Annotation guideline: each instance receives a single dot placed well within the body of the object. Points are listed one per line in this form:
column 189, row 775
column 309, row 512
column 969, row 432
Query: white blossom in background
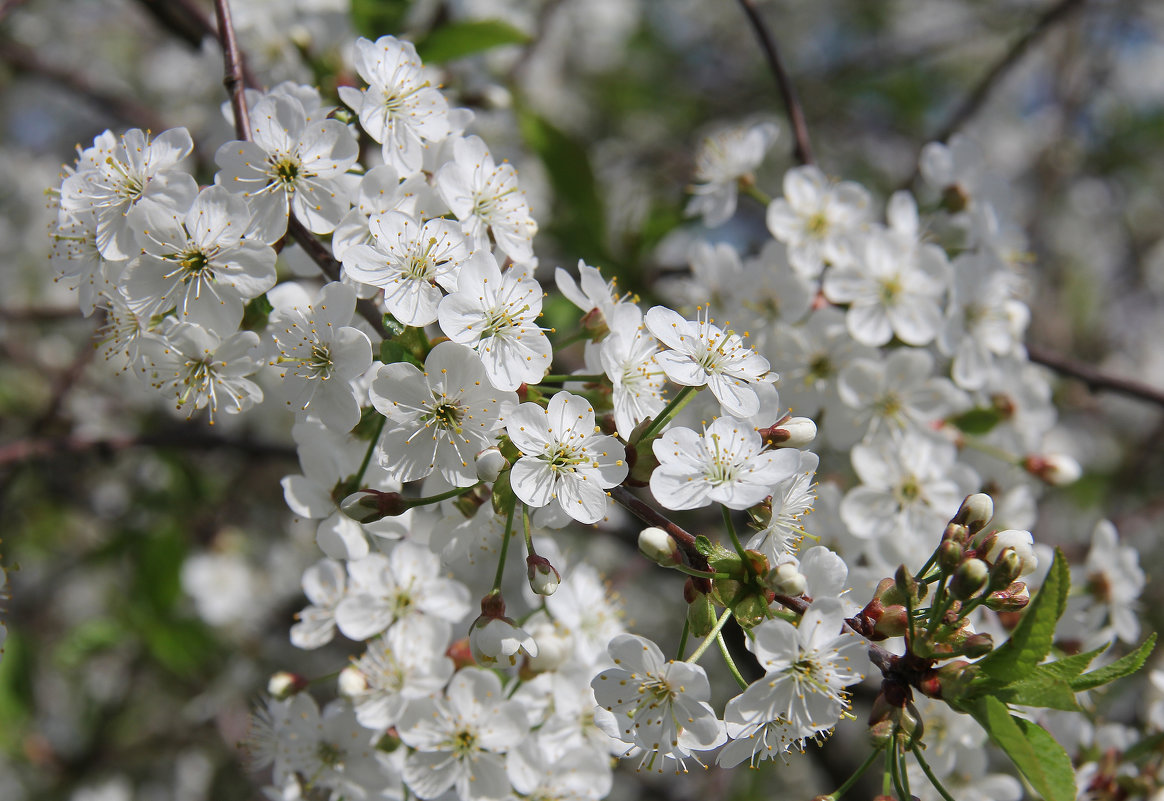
column 412, row 262
column 580, row 775
column 320, row 354
column 201, row 370
column 892, row 289
column 816, row 218
column 324, row 584
column 724, row 157
column 495, row 313
column 458, row 741
column 726, row 464
column 700, row 352
column 566, row 458
column 486, row 198
column 399, row 108
column 656, row 705
column 118, row 177
column 439, row 418
column 897, row 394
column 1112, row 582
column 293, row 165
column 78, row 262
column 397, row 589
column 627, row 357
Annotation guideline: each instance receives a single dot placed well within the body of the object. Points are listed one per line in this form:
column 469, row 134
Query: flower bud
column 969, row 578
column 284, row 684
column 950, row 555
column 496, row 642
column 490, row 462
column 786, row 579
column 894, row 622
column 1005, row 570
column 906, row 584
column 975, row 512
column 555, row 647
column 1013, row 599
column 460, row 653
column 700, row 613
column 543, row 576
column 795, row 432
column 977, row 645
column 1057, row 469
column 950, row 681
column 956, row 532
column 369, row 505
column 471, row 501
column 352, row 682
column 1021, row 542
column 660, row 547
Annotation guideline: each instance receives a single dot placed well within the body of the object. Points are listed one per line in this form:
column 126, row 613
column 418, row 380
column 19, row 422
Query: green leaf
column 579, row 221
column 1040, row 691
column 1143, row 748
column 704, row 545
column 374, row 18
column 256, row 314
column 977, row 421
column 461, row 39
column 392, row 352
column 1124, row 666
column 1035, row 753
column 1031, row 640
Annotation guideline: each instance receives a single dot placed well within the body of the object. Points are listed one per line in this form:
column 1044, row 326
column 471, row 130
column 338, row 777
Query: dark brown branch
column 977, row 97
column 26, row 61
column 194, row 439
column 233, row 70
column 802, row 148
column 653, row 517
column 235, row 81
column 1096, row 380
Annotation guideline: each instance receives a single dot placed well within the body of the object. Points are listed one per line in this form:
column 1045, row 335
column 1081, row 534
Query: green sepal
column 460, row 39
column 977, row 421
column 256, row 314
column 503, row 498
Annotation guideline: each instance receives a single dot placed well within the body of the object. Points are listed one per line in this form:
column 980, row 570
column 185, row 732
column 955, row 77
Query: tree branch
column 802, row 148
column 24, row 60
column 1096, row 380
column 977, row 97
column 25, row 450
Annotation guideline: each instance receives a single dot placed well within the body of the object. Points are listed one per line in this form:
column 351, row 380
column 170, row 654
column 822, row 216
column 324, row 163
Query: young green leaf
column 1124, row 666
column 461, row 39
column 1035, row 753
column 1031, row 640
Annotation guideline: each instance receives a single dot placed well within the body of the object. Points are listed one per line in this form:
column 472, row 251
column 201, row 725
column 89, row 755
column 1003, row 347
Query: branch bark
column 1096, row 380
column 802, row 148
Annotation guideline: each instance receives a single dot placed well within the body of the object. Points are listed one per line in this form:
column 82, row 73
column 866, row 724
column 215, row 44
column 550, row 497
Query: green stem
column 678, row 402
column 727, row 658
column 904, row 774
column 683, row 639
column 849, row 782
column 504, row 547
column 886, row 775
column 895, row 773
column 710, row 638
column 991, row 450
column 751, row 190
column 690, row 571
column 925, row 766
column 562, row 379
column 368, row 453
column 731, row 529
column 529, row 549
column 444, row 496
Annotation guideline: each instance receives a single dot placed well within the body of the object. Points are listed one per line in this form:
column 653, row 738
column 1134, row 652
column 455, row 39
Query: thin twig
column 233, row 70
column 236, row 81
column 652, row 516
column 1096, row 380
column 25, row 450
column 26, row 61
column 802, row 148
column 977, row 97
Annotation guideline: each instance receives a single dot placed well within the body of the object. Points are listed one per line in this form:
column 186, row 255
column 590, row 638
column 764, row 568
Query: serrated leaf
column 1031, row 639
column 579, row 218
column 704, row 545
column 1040, row 691
column 461, row 39
column 977, row 421
column 1124, row 666
column 1063, row 670
column 374, row 18
column 1034, row 752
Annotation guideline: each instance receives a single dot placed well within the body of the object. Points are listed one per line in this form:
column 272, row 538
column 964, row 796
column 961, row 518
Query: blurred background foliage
column 153, row 567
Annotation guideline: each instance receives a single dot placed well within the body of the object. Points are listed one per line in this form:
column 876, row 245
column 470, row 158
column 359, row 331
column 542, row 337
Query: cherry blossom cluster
column 440, row 457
